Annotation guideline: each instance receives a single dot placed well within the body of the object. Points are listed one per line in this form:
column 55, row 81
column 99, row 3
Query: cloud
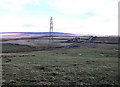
column 81, row 6
column 72, row 6
column 102, row 8
column 15, row 23
column 71, row 16
column 17, row 5
column 94, row 16
column 28, row 25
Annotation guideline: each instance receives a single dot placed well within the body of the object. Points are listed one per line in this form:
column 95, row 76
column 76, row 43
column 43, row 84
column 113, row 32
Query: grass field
column 97, row 65
column 41, row 42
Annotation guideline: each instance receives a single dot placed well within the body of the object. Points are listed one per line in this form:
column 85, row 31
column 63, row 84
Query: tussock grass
column 63, row 67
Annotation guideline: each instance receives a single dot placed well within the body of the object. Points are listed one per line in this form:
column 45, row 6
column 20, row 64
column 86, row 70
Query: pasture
column 88, row 64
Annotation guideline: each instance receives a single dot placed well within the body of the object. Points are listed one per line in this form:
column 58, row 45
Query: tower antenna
column 51, row 33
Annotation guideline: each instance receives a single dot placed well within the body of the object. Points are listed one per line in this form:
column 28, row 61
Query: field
column 87, row 64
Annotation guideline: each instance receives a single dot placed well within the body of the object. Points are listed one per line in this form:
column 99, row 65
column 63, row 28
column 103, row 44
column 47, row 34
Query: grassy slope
column 9, row 47
column 62, row 66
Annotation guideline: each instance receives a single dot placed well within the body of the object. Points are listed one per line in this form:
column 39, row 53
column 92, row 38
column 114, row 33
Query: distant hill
column 10, row 35
column 38, row 33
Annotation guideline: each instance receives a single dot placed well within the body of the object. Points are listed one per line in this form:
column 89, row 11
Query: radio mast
column 51, row 33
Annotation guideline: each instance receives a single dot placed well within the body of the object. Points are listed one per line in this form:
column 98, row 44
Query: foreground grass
column 62, row 67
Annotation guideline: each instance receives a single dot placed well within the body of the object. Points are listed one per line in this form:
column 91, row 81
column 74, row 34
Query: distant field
column 9, row 47
column 88, row 64
column 39, row 42
column 30, row 43
column 112, row 40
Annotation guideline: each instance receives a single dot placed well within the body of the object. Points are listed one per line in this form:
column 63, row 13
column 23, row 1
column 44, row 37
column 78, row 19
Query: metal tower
column 51, row 33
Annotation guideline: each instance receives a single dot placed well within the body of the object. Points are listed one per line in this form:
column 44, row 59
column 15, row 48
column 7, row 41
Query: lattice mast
column 51, row 33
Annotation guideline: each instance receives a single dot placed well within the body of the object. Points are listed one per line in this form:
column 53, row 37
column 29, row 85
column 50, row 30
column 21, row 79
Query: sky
column 96, row 17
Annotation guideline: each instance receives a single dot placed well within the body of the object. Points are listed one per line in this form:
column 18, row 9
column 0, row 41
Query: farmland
column 87, row 64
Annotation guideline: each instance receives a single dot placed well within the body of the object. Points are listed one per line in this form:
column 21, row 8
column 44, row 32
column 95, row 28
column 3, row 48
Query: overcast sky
column 99, row 17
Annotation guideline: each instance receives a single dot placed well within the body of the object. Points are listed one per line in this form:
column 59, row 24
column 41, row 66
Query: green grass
column 10, row 47
column 62, row 66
